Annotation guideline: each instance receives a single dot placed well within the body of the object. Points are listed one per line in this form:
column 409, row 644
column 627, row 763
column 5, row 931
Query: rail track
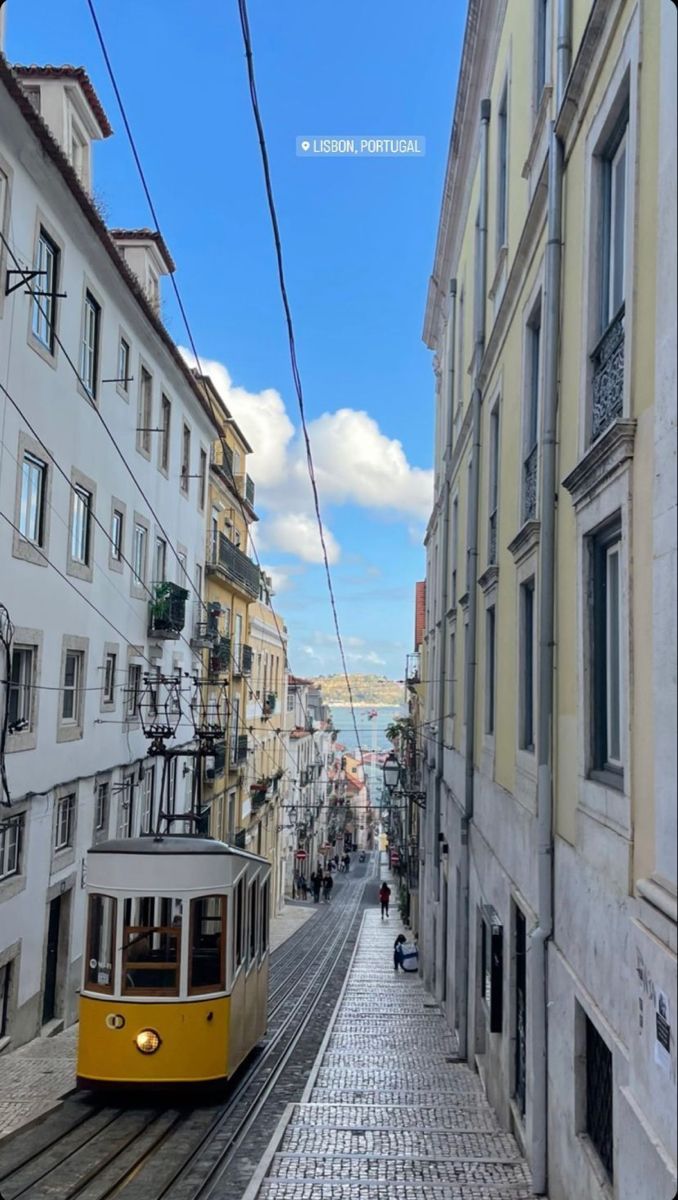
column 86, row 1150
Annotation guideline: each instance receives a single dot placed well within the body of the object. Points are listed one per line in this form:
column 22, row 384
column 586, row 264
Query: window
column 124, row 377
column 5, row 992
column 237, row 641
column 185, row 458
column 126, row 809
column 461, row 365
column 202, row 480
column 101, row 807
column 542, row 49
column 89, row 350
column 151, row 946
column 492, row 966
column 11, row 837
column 614, row 224
column 606, row 704
column 32, row 499
column 252, row 924
column 452, row 677
column 147, row 789
column 235, row 725
column 160, row 560
column 490, row 668
column 527, row 664
column 139, row 553
column 81, row 513
column 599, row 1115
column 71, row 697
column 65, row 822
column 165, row 425
column 198, row 581
column 20, row 698
column 116, row 534
column 100, row 944
column 493, row 486
column 454, row 552
column 45, row 284
column 502, row 168
column 109, row 678
column 145, row 412
column 207, row 970
column 263, row 917
column 239, row 940
column 133, row 690
column 531, row 435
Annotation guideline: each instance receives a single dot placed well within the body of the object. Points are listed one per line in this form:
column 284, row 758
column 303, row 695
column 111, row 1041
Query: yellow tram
column 175, row 976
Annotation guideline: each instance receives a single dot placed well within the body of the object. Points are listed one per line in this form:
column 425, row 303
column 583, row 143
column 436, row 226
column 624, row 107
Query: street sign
column 395, row 858
column 300, row 854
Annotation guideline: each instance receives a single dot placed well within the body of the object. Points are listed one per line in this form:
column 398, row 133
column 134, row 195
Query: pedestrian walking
column 398, row 953
column 384, row 898
column 304, row 887
column 328, row 884
column 316, row 884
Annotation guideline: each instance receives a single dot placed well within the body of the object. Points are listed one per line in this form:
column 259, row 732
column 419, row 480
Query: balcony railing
column 223, row 556
column 205, row 624
column 238, row 748
column 221, row 461
column 607, row 360
column 412, row 668
column 220, row 656
column 530, row 484
column 167, row 610
column 242, row 660
column 216, row 763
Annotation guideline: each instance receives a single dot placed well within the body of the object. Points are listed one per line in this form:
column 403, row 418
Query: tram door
column 51, row 960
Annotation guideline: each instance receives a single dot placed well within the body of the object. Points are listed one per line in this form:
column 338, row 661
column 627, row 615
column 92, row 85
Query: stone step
column 400, row 1143
column 478, row 1118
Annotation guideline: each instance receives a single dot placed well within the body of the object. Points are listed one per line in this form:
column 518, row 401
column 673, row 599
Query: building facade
column 103, row 488
column 548, row 881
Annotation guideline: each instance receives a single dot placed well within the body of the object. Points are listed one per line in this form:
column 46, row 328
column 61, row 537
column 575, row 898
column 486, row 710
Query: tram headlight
column 147, row 1041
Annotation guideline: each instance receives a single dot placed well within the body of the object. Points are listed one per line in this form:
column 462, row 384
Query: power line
column 244, row 23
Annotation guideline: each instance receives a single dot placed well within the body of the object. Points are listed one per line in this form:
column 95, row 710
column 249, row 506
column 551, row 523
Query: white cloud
column 297, row 533
column 355, row 463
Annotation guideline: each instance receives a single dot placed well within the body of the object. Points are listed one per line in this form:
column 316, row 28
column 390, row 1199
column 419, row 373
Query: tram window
column 151, row 945
column 239, row 940
column 100, row 944
column 252, row 923
column 208, row 925
column 263, row 914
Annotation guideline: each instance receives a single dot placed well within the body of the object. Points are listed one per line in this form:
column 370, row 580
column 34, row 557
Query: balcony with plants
column 167, row 610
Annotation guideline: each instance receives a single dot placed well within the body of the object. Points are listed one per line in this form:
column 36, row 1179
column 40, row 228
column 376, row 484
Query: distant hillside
column 366, row 689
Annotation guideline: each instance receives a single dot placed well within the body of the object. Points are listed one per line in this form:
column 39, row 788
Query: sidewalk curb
column 33, row 1121
column 262, row 1167
column 315, row 1069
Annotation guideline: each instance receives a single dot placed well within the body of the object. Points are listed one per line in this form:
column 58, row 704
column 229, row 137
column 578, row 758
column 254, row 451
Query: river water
column 372, row 735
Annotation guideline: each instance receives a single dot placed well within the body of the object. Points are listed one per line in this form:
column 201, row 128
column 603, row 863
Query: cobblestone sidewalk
column 390, row 1114
column 37, row 1076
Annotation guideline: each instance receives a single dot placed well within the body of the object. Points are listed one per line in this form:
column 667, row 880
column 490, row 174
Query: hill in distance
column 367, row 690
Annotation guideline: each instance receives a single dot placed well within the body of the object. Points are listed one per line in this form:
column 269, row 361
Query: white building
column 309, row 736
column 103, row 465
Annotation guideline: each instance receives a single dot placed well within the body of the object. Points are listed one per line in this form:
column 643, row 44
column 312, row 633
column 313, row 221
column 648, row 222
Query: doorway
column 51, row 960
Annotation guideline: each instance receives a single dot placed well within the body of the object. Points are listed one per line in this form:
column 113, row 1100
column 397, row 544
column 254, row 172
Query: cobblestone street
column 388, row 1113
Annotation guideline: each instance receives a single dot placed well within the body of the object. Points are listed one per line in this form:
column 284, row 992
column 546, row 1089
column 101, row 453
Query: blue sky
column 358, row 238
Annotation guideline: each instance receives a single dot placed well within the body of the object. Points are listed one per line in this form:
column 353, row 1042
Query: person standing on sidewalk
column 328, row 884
column 398, row 953
column 316, row 883
column 384, row 898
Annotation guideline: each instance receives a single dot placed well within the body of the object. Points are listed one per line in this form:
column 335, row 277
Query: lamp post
column 394, row 777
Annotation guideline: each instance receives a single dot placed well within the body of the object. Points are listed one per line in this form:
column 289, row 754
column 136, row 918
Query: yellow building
column 268, row 766
column 548, row 891
column 232, row 584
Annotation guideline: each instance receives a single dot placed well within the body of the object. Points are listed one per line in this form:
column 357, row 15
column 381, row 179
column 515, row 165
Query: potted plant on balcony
column 167, row 609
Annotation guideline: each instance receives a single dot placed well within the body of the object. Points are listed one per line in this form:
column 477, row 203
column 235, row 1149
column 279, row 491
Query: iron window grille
column 599, row 1078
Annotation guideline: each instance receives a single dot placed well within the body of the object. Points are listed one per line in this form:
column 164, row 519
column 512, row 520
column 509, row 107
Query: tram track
column 175, row 1152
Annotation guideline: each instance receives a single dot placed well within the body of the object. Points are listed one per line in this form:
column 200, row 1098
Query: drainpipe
column 442, row 657
column 472, row 551
column 547, row 507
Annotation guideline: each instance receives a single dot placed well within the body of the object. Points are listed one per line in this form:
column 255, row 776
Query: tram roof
column 164, row 844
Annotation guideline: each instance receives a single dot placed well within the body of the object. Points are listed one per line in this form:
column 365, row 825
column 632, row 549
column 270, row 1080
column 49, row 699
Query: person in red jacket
column 384, row 897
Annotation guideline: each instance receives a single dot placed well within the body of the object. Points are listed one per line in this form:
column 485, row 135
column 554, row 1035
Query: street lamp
column 392, row 773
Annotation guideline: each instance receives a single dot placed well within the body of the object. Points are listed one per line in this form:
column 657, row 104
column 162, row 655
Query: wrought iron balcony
column 259, row 792
column 530, row 484
column 242, row 660
column 238, row 749
column 221, row 461
column 218, row 763
column 206, row 625
column 167, row 610
column 269, row 704
column 607, row 360
column 412, row 668
column 229, row 561
column 220, row 656
column 241, row 839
